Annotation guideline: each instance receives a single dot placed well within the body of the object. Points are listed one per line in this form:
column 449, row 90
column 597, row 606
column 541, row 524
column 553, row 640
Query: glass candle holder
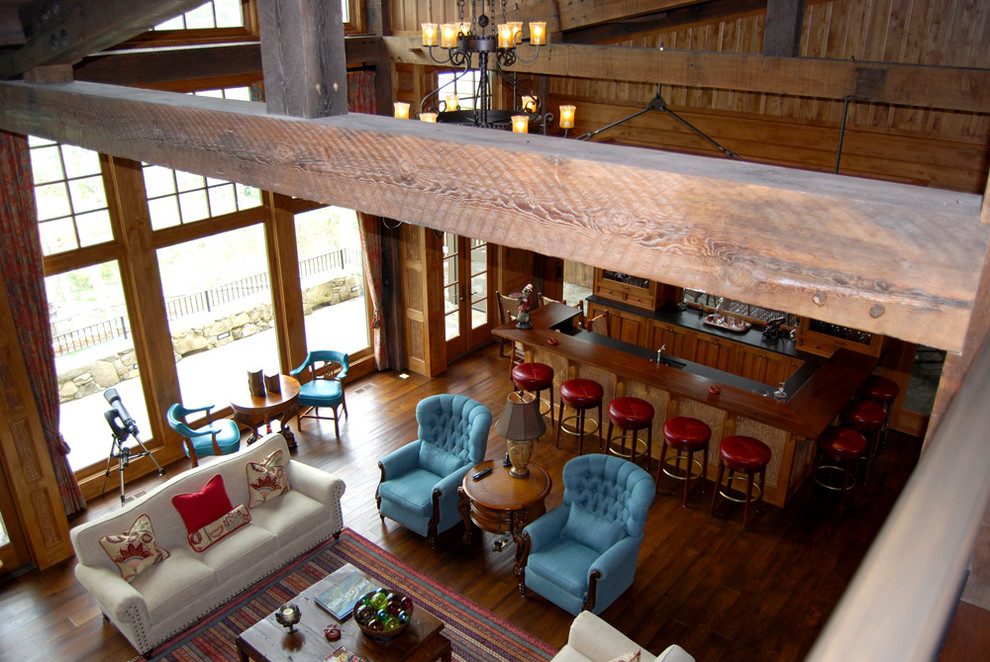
column 429, row 34
column 428, row 117
column 448, row 35
column 520, row 123
column 567, row 113
column 401, row 109
column 505, row 36
column 452, row 101
column 529, row 104
column 538, row 33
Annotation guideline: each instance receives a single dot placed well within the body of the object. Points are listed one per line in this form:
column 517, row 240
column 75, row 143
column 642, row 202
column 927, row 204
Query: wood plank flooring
column 702, row 582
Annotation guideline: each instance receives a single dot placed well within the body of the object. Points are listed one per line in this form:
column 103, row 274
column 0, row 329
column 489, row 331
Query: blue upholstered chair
column 324, row 389
column 419, row 481
column 583, row 553
column 215, row 438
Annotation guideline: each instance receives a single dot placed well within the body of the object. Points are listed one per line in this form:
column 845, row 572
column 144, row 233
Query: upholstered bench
column 154, row 567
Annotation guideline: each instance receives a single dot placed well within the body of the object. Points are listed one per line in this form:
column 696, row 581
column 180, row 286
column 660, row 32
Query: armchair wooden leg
column 523, row 546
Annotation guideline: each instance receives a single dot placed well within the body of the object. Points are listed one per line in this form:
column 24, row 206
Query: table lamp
column 520, row 423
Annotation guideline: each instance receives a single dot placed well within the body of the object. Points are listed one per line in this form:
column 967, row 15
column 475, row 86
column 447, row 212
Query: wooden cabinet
column 765, row 366
column 679, row 341
column 823, row 338
column 626, row 326
column 637, row 292
column 716, row 353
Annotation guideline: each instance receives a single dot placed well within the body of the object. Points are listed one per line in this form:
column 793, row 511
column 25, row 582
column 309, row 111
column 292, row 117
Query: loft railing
column 902, row 598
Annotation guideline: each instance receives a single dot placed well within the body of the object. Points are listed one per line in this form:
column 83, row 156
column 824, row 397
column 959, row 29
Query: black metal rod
column 842, row 134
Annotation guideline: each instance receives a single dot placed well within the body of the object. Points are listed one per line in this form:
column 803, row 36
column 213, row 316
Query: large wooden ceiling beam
column 582, row 13
column 65, row 32
column 949, row 88
column 886, row 258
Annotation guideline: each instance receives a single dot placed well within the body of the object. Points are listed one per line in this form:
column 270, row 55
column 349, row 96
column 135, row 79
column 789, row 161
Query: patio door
column 467, row 278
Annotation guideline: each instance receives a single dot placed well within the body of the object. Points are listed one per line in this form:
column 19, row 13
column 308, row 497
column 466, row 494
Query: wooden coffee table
column 253, row 411
column 500, row 502
column 267, row 641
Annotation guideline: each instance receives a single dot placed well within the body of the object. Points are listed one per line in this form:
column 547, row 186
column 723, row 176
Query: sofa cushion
column 135, row 550
column 215, row 531
column 267, row 479
column 627, row 657
column 290, row 517
column 594, row 531
column 439, row 461
column 183, row 579
column 251, row 547
column 204, row 507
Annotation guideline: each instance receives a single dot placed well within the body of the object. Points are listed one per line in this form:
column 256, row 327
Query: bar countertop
column 820, row 389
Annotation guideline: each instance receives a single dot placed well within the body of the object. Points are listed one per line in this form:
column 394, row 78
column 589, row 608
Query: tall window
column 462, row 83
column 68, row 190
column 94, row 351
column 332, row 275
column 214, row 14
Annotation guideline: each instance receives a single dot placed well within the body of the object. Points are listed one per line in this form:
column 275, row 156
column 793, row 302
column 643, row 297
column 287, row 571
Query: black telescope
column 125, row 422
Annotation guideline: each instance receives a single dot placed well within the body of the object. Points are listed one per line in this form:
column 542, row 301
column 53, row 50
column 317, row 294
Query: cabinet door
column 679, row 341
column 628, row 327
column 716, row 353
column 758, row 366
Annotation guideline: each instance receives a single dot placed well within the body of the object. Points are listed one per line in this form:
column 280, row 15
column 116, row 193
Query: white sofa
column 169, row 596
column 591, row 639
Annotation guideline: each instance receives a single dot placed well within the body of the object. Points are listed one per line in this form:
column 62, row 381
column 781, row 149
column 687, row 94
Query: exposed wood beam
column 65, row 32
column 303, row 58
column 950, row 88
column 886, row 258
column 782, row 33
column 664, row 20
column 11, row 32
column 582, row 13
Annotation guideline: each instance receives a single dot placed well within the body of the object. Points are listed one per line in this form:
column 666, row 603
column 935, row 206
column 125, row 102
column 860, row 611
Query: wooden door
column 468, row 295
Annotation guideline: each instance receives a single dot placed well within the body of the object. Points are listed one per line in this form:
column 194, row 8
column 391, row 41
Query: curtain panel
column 24, row 277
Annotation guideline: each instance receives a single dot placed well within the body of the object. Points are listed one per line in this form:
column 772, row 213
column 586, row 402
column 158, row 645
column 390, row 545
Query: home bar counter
column 816, row 392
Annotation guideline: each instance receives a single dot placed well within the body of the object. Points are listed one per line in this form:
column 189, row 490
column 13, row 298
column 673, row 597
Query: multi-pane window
column 215, row 14
column 176, row 197
column 71, row 202
column 462, row 83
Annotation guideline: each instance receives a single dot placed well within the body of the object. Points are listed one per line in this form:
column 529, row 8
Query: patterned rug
column 475, row 634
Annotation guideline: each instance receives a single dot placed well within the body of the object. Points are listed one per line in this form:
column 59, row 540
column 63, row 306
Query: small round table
column 253, row 411
column 500, row 502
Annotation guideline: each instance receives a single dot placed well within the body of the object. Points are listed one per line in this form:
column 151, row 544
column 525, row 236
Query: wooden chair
column 601, row 323
column 508, row 311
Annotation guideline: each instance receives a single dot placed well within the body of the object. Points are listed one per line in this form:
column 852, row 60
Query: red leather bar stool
column 843, row 447
column 686, row 436
column 536, row 377
column 630, row 415
column 869, row 418
column 745, row 455
column 882, row 391
column 580, row 395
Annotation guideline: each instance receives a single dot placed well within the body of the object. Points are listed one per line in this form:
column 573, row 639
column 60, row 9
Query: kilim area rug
column 476, row 634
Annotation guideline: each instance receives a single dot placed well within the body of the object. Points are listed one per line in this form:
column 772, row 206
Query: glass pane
column 188, row 181
column 218, row 297
column 94, row 228
column 46, row 165
column 331, row 271
column 177, row 23
column 479, row 300
column 52, row 201
column 248, row 197
column 93, row 352
column 57, row 236
column 87, row 194
column 164, row 213
column 80, row 162
column 223, row 200
column 200, row 18
column 237, row 93
column 158, row 181
column 228, row 13
column 452, row 318
column 193, row 206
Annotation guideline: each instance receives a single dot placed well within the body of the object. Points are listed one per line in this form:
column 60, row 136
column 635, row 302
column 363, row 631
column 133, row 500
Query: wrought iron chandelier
column 492, row 43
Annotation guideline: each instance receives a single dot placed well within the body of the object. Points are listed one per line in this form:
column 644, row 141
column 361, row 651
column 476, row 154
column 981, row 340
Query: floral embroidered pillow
column 203, row 538
column 135, row 551
column 266, row 480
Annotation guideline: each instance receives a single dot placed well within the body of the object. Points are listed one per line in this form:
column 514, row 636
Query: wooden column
column 283, row 269
column 303, row 58
column 422, row 289
column 782, row 34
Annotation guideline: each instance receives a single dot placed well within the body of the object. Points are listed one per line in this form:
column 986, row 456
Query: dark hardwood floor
column 702, row 582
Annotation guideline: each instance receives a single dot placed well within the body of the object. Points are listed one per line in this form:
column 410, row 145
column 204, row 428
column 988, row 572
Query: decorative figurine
column 524, row 305
column 288, row 615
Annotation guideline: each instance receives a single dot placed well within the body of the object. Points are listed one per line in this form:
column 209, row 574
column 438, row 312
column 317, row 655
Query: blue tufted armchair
column 583, row 553
column 419, row 481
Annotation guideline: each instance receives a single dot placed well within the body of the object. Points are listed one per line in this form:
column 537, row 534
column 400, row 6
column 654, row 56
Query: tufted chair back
column 610, row 487
column 454, row 431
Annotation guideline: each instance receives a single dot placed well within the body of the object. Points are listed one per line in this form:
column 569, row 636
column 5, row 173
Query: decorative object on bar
column 525, row 304
column 273, row 383
column 288, row 615
column 470, row 45
column 520, row 424
column 256, row 383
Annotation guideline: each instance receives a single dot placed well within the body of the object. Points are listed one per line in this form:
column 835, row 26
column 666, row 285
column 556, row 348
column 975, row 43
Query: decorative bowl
column 382, row 614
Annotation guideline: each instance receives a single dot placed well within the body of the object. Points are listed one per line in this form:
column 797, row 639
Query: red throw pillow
column 205, row 507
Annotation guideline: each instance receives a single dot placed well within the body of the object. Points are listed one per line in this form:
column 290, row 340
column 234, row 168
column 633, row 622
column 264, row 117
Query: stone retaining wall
column 107, row 371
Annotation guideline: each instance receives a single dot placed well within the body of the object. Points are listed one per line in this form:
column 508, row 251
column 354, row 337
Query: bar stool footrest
column 757, row 492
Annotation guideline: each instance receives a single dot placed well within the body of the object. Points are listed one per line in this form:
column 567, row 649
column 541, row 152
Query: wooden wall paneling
column 26, row 463
column 422, row 269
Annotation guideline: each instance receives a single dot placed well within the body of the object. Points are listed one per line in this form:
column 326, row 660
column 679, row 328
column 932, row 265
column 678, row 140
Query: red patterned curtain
column 361, row 92
column 24, row 278
column 371, row 245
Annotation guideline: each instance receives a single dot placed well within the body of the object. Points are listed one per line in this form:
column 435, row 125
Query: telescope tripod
column 120, row 433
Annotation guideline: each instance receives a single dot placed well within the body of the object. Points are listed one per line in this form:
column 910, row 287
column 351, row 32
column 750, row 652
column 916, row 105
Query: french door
column 467, row 293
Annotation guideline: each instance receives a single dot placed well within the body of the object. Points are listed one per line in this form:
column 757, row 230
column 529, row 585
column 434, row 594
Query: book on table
column 345, row 586
column 344, row 655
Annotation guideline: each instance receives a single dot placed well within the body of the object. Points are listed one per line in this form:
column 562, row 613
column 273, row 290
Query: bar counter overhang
column 789, row 426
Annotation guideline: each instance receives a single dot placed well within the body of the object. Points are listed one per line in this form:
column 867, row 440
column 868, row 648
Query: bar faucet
column 660, row 359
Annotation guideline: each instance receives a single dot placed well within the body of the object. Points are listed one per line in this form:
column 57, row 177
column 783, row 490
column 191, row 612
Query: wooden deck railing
column 901, row 601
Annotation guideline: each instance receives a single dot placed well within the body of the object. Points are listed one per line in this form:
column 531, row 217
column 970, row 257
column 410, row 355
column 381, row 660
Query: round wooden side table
column 254, row 411
column 500, row 502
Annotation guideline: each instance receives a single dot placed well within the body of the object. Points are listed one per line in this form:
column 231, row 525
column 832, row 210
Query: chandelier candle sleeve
column 506, row 36
column 538, row 33
column 401, row 110
column 529, row 104
column 520, row 123
column 516, row 32
column 453, row 102
column 567, row 116
column 428, row 117
column 429, row 34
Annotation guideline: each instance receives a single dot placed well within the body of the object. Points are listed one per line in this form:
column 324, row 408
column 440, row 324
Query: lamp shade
column 521, row 419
